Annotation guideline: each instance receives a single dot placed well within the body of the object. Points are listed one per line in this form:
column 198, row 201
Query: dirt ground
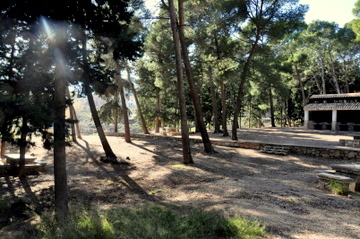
column 280, row 191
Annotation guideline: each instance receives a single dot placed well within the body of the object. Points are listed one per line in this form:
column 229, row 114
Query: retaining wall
column 331, row 153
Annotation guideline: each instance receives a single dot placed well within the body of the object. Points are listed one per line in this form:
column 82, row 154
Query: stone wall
column 350, row 143
column 331, row 153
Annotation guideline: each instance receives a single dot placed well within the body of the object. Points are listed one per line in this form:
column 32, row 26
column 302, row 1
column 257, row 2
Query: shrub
column 339, row 188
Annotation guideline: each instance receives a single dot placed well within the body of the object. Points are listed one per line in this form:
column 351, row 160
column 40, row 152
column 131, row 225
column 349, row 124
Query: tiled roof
column 333, row 106
column 332, row 96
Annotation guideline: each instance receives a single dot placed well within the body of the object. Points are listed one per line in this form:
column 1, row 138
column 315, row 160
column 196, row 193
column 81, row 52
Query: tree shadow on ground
column 285, row 186
column 117, row 170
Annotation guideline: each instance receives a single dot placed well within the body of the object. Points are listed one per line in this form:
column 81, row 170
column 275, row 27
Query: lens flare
column 46, row 27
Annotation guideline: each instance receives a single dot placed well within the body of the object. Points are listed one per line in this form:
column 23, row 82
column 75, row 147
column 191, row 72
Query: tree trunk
column 323, row 83
column 77, row 127
column 10, row 73
column 347, row 87
column 3, row 132
column 3, row 148
column 318, row 85
column 243, row 77
column 22, row 145
column 336, row 81
column 224, row 109
column 106, row 146
column 214, row 102
column 60, row 174
column 286, row 109
column 116, row 120
column 334, row 77
column 187, row 158
column 189, row 75
column 250, row 112
column 223, row 95
column 72, row 117
column 157, row 118
column 138, row 106
column 272, row 115
column 282, row 123
column 123, row 103
column 297, row 73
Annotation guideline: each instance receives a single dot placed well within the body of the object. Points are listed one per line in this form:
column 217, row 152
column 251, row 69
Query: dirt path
column 280, row 191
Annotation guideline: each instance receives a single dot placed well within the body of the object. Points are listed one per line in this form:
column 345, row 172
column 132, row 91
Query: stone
column 351, row 155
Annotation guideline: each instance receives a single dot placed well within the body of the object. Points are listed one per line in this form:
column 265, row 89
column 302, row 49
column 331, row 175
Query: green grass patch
column 149, row 222
column 339, row 188
column 155, row 191
column 178, row 165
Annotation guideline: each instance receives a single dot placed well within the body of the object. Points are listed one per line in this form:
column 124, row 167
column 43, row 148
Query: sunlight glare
column 47, row 27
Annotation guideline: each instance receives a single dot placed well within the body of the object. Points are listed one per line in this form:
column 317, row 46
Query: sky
column 339, row 11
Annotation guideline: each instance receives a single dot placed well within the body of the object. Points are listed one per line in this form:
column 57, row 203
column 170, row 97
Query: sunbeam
column 46, row 27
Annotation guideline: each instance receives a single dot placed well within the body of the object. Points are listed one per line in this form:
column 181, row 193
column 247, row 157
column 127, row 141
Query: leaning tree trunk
column 123, row 103
column 77, row 127
column 189, row 75
column 138, row 106
column 187, row 158
column 106, row 146
column 243, row 77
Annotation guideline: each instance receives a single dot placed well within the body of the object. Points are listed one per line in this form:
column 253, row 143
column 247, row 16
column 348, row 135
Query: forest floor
column 280, row 191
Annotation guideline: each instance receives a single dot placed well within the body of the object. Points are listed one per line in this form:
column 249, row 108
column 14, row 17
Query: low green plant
column 83, row 223
column 149, row 222
column 247, row 229
column 155, row 191
column 339, row 188
column 178, row 165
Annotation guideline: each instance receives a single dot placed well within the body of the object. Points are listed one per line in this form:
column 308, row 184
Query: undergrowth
column 146, row 222
column 339, row 188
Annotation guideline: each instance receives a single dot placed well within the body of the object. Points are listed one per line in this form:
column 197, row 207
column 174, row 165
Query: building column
column 306, row 119
column 334, row 120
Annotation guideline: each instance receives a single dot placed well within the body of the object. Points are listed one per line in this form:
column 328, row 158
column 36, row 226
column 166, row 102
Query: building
column 333, row 112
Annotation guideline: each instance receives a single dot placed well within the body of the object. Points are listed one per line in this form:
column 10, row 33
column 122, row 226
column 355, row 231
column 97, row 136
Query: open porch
column 337, row 112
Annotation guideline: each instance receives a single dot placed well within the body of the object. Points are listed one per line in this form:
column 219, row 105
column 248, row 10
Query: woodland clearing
column 280, row 191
